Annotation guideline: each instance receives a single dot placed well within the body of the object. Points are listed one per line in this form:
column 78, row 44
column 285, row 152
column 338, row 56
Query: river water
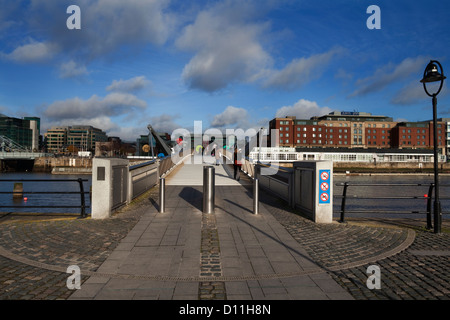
column 401, row 185
column 25, row 205
column 372, row 205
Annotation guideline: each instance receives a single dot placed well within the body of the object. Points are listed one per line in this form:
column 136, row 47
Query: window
column 304, row 128
column 287, row 135
column 304, row 135
column 281, row 135
column 298, row 135
column 368, row 131
column 281, row 128
column 287, row 140
column 281, row 141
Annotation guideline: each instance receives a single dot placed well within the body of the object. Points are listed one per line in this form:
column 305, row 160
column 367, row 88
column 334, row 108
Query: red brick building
column 355, row 130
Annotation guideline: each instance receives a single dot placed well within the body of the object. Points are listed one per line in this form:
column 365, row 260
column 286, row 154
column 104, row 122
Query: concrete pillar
column 103, row 186
column 313, row 189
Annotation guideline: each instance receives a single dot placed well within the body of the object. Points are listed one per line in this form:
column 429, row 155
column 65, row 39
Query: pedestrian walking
column 237, row 163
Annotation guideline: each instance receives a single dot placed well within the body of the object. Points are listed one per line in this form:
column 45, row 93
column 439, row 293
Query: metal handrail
column 428, row 197
column 82, row 193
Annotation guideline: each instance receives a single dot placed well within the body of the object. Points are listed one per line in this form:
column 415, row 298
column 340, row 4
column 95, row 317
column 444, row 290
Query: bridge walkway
column 182, row 253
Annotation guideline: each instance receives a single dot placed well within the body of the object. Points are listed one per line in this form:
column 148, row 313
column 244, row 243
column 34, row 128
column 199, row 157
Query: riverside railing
column 427, row 209
column 82, row 194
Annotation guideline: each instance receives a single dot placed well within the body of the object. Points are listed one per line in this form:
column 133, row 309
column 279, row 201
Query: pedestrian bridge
column 16, row 155
column 191, row 174
column 115, row 183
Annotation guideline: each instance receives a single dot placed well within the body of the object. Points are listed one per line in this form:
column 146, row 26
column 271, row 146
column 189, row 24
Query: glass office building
column 24, row 132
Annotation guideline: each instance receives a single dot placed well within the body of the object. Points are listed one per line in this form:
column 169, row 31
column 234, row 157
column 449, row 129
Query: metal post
column 344, row 197
column 83, row 202
column 208, row 189
column 429, row 199
column 437, row 204
column 162, row 195
column 255, row 196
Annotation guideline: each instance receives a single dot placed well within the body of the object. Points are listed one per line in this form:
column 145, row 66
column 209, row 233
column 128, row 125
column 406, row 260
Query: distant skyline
column 229, row 63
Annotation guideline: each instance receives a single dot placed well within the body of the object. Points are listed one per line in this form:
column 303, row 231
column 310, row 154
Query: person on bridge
column 237, row 163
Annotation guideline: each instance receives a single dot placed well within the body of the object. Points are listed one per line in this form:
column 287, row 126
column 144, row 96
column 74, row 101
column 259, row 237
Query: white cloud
column 72, row 70
column 303, row 109
column 231, row 117
column 389, row 74
column 227, row 47
column 114, row 104
column 106, row 25
column 164, row 123
column 130, row 85
column 32, row 52
column 300, row 71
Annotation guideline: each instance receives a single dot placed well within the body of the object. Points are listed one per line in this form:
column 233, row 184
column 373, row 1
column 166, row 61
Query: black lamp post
column 431, row 74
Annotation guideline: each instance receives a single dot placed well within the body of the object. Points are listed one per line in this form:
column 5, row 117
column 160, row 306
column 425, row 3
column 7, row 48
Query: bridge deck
column 190, row 174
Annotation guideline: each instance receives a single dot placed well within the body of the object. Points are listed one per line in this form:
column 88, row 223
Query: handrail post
column 429, row 199
column 255, row 196
column 344, row 197
column 83, row 202
column 162, row 195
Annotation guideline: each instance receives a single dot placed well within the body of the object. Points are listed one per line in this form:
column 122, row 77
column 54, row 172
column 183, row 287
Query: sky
column 228, row 63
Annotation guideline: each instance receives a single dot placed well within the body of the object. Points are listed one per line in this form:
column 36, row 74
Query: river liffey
column 412, row 196
column 29, row 200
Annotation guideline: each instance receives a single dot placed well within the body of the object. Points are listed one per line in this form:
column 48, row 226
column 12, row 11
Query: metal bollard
column 255, row 196
column 162, row 195
column 208, row 189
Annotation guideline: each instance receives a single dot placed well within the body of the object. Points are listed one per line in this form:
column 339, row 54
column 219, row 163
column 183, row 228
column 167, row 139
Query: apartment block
column 73, row 138
column 357, row 130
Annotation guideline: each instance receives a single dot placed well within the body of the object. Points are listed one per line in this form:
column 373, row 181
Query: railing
column 82, row 194
column 428, row 196
column 143, row 177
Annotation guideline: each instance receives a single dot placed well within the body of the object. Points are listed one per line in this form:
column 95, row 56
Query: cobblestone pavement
column 419, row 272
column 60, row 242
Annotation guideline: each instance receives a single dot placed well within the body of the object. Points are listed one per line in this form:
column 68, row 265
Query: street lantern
column 432, row 74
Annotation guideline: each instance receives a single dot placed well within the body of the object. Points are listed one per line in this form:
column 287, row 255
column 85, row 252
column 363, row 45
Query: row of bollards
column 208, row 192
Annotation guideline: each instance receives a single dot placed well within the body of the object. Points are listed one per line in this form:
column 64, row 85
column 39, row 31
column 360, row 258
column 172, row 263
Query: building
column 84, row 138
column 71, row 139
column 356, row 130
column 415, row 135
column 56, row 139
column 446, row 123
column 23, row 132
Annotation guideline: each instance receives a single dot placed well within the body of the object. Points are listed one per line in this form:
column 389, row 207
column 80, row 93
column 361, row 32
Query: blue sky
column 228, row 63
